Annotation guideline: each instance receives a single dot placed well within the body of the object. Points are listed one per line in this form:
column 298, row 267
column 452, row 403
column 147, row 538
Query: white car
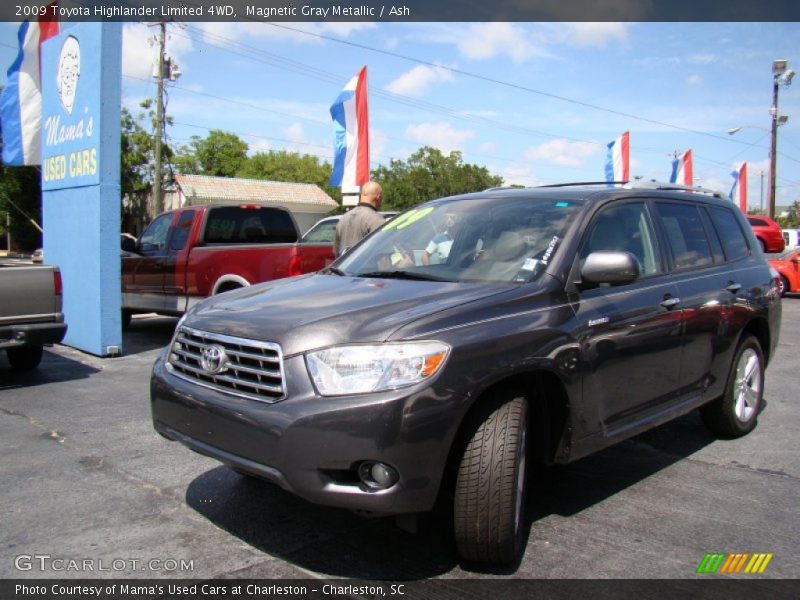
column 792, row 238
column 324, row 230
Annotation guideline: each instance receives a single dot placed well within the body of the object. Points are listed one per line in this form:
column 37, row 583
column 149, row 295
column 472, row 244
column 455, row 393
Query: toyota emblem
column 213, row 359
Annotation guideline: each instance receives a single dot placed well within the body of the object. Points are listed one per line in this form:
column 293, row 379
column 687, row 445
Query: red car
column 788, row 265
column 768, row 232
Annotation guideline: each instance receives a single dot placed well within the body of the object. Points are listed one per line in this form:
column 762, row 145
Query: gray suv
column 471, row 337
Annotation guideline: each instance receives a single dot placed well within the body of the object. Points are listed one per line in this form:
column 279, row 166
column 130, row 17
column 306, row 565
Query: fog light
column 376, row 475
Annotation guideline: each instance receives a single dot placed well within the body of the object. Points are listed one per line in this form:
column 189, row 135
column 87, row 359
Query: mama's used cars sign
column 70, row 117
column 81, row 71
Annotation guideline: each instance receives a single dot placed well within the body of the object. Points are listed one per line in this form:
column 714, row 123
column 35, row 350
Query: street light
column 781, row 121
column 781, row 76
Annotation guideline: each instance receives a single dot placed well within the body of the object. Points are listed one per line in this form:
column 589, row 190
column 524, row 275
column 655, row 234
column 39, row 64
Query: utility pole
column 8, row 231
column 773, row 149
column 158, row 199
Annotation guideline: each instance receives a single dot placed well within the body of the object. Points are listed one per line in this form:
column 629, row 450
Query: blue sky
column 674, row 86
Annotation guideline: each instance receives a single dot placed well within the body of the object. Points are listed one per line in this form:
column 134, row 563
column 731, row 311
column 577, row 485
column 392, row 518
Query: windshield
column 510, row 240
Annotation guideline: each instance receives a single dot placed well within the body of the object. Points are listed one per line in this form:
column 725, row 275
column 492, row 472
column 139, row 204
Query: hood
column 314, row 311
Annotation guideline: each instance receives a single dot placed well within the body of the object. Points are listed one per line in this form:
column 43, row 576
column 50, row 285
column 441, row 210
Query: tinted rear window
column 686, row 235
column 730, row 233
column 237, row 225
column 757, row 222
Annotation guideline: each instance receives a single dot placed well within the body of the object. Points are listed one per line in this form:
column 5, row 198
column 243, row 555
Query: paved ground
column 85, row 477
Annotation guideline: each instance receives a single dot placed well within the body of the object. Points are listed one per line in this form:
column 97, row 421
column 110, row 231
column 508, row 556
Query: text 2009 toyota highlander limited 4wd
column 472, row 336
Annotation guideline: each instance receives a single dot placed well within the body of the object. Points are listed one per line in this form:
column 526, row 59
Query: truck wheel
column 126, row 319
column 489, row 501
column 735, row 413
column 24, row 358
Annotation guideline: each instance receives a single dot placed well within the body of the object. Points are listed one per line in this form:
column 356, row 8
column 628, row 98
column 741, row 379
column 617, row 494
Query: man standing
column 362, row 220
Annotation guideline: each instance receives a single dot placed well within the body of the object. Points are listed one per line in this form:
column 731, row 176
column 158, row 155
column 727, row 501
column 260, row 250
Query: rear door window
column 686, row 236
column 733, row 239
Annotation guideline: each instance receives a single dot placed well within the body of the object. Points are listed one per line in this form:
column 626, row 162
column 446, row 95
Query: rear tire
column 763, row 245
column 735, row 413
column 784, row 289
column 489, row 500
column 24, row 358
column 126, row 319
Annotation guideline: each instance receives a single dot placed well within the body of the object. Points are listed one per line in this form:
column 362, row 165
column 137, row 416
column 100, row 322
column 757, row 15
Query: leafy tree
column 430, row 174
column 792, row 220
column 281, row 165
column 21, row 192
column 137, row 151
column 220, row 154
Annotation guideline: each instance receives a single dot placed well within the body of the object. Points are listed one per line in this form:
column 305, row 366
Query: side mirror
column 128, row 245
column 610, row 267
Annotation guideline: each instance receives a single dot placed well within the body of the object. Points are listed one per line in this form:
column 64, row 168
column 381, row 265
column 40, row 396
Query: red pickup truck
column 197, row 251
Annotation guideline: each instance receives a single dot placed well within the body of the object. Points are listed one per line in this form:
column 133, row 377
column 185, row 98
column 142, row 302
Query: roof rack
column 581, row 183
column 660, row 185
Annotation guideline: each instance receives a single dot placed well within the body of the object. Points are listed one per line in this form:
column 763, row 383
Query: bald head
column 371, row 193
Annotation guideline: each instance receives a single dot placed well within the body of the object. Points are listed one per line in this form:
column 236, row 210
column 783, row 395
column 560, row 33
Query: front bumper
column 311, row 445
column 33, row 334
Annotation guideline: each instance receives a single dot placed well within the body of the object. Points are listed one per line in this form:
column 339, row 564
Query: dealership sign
column 70, row 117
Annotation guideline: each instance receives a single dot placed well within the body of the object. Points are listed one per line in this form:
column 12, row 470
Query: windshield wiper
column 335, row 271
column 397, row 274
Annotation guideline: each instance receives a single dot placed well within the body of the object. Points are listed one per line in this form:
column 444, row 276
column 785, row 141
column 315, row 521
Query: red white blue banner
column 21, row 101
column 351, row 134
column 618, row 163
column 682, row 169
column 738, row 192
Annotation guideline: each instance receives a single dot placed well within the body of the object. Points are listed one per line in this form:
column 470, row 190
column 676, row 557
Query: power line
column 503, row 83
column 318, row 74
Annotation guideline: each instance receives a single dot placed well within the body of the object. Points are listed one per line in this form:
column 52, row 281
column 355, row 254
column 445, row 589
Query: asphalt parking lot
column 85, row 477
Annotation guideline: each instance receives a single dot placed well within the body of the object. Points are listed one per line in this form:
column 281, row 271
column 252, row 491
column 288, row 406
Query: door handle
column 733, row 287
column 670, row 302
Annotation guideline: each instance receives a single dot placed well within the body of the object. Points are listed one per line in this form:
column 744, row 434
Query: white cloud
column 701, row 59
column 258, row 145
column 417, row 81
column 140, row 49
column 562, row 152
column 486, row 40
column 489, row 146
column 591, row 34
column 439, row 135
column 694, row 79
column 519, row 175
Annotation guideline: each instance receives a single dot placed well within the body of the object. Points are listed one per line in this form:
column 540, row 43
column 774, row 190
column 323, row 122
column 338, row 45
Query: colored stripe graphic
column 711, row 563
column 733, row 564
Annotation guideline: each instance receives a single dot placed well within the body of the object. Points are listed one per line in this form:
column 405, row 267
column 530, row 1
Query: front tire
column 24, row 358
column 489, row 501
column 735, row 413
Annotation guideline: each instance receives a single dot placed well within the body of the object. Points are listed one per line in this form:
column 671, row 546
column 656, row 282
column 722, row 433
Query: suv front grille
column 237, row 366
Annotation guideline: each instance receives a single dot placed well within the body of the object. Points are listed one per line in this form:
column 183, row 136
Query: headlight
column 374, row 368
